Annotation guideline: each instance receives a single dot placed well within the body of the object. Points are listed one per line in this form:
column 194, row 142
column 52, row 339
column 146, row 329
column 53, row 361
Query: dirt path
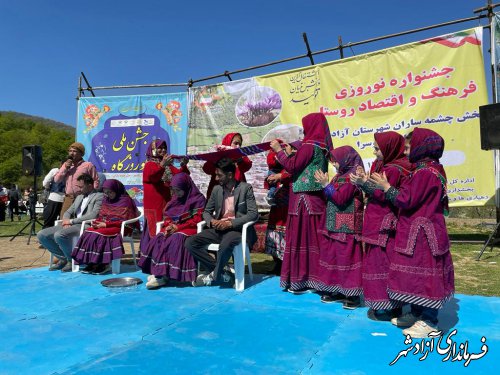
column 18, row 255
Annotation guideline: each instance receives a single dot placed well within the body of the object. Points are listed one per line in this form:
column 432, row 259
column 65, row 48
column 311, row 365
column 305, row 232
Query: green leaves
column 18, row 130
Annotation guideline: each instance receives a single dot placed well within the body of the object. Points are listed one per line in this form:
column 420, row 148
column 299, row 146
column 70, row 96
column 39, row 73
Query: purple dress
column 306, row 214
column 306, row 209
column 341, row 258
column 421, row 271
column 342, row 253
column 379, row 226
column 165, row 254
column 103, row 245
column 379, row 230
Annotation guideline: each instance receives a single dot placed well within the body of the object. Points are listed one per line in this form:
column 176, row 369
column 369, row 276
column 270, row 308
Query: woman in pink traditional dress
column 156, row 176
column 102, row 243
column 166, row 258
column 243, row 164
column 421, row 270
column 341, row 258
column 379, row 225
column 306, row 209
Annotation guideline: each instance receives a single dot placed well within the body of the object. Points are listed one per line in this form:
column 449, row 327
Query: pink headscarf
column 316, row 131
column 425, row 144
column 392, row 146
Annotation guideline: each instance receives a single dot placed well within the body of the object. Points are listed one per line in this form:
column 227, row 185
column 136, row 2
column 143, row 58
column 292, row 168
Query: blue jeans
column 59, row 240
column 272, row 192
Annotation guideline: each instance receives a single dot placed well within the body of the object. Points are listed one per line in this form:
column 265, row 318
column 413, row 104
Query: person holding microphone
column 69, row 172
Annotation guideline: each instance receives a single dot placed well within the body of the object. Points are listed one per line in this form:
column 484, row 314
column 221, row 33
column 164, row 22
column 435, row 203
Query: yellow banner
column 437, row 83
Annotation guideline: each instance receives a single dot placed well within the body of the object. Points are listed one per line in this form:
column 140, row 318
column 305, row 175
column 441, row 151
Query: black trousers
column 50, row 213
column 3, row 207
column 14, row 209
column 227, row 240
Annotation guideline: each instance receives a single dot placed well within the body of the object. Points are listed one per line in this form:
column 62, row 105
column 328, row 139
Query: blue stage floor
column 54, row 323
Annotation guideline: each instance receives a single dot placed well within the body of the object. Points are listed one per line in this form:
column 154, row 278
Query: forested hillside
column 18, row 130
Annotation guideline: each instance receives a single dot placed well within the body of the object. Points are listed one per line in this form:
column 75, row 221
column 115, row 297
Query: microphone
column 70, row 157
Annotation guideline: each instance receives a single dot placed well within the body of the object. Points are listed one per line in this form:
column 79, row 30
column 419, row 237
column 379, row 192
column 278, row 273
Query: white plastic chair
column 158, row 226
column 116, row 263
column 241, row 253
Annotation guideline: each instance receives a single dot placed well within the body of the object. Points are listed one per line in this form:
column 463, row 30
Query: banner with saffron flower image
column 437, row 83
column 258, row 106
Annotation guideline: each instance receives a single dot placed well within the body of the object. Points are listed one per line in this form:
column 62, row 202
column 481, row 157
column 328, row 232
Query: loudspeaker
column 489, row 121
column 32, row 160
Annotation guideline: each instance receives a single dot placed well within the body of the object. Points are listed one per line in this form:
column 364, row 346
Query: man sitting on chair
column 59, row 239
column 230, row 205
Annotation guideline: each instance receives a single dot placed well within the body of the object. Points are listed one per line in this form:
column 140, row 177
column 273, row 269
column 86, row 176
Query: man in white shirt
column 55, row 200
column 59, row 239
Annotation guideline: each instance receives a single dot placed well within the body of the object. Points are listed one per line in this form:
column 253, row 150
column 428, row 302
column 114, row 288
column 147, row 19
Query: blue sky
column 45, row 44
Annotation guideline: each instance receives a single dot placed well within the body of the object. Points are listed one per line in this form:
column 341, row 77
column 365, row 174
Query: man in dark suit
column 231, row 205
column 59, row 239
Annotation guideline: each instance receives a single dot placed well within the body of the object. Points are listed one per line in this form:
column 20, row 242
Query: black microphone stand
column 33, row 218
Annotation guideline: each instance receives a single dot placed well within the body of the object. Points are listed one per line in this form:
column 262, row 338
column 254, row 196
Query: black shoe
column 228, row 277
column 351, row 303
column 67, row 267
column 90, row 268
column 331, row 298
column 59, row 265
column 379, row 315
column 396, row 312
column 229, row 269
column 101, row 269
column 301, row 291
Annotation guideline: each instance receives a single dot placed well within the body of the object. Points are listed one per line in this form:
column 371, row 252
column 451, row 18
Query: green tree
column 19, row 130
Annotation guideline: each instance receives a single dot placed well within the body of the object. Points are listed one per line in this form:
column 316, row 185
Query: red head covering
column 316, row 131
column 425, row 144
column 272, row 162
column 392, row 146
column 182, row 207
column 228, row 138
column 348, row 159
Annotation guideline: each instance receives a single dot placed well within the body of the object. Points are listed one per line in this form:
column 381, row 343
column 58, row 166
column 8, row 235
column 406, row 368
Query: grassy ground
column 471, row 276
column 10, row 228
